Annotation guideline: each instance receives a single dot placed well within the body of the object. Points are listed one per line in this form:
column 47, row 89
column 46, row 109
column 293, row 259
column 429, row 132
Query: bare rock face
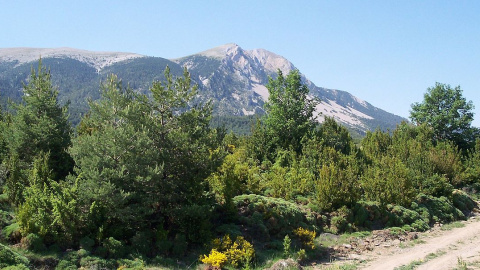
column 249, row 70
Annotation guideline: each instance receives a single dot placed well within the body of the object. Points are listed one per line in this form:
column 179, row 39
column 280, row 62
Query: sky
column 385, row 52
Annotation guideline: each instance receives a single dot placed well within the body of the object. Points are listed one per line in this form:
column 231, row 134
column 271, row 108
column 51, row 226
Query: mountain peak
column 222, row 51
column 271, row 61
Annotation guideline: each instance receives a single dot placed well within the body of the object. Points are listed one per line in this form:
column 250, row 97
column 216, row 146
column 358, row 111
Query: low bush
column 33, row 242
column 436, row 209
column 12, row 233
column 66, row 265
column 8, row 257
column 399, row 216
column 462, row 201
column 225, row 251
column 270, row 217
column 306, row 237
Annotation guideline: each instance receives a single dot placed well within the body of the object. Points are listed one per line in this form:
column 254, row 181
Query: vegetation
column 147, row 180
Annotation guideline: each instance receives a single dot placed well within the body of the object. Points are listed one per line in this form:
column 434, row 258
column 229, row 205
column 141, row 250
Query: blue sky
column 385, row 52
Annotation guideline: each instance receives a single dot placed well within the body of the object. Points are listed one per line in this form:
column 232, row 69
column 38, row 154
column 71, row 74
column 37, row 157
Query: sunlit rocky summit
column 233, row 78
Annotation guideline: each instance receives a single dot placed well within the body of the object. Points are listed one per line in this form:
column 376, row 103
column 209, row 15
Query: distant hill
column 233, row 78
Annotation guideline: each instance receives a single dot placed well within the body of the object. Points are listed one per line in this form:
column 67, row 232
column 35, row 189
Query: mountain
column 233, row 78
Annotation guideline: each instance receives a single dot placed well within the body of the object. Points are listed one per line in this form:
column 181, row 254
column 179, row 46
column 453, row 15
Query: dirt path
column 436, row 250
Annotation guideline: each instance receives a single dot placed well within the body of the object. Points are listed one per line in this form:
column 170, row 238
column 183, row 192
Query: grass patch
column 329, row 240
column 453, row 225
column 414, row 264
column 461, row 264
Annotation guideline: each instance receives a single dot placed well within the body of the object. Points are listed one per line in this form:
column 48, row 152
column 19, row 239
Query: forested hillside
column 144, row 180
column 231, row 78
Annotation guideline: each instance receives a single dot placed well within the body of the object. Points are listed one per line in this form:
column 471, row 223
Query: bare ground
column 435, row 249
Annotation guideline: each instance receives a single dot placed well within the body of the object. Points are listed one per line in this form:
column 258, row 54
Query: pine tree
column 40, row 125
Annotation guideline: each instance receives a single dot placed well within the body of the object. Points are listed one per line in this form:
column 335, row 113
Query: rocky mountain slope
column 233, row 78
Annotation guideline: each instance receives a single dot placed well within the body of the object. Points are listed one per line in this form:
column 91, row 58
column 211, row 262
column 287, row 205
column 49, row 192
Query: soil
column 434, row 249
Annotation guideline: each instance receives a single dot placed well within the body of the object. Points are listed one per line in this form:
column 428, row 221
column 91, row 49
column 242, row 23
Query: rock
column 356, row 257
column 347, row 246
column 285, row 264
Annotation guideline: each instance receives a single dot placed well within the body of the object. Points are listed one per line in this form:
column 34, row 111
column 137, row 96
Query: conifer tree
column 40, row 125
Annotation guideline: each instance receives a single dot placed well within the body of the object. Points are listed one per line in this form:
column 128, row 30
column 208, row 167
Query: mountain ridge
column 233, row 78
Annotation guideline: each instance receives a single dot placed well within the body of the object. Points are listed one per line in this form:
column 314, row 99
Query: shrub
column 215, row 258
column 438, row 209
column 340, row 221
column 66, row 265
column 33, row 242
column 87, row 243
column 96, row 263
column 435, row 185
column 462, row 201
column 16, row 267
column 180, row 245
column 241, row 253
column 142, row 242
column 12, row 233
column 131, row 264
column 114, row 248
column 287, row 242
column 306, row 237
column 301, row 255
column 237, row 253
column 270, row 217
column 8, row 257
column 367, row 213
column 193, row 221
column 401, row 216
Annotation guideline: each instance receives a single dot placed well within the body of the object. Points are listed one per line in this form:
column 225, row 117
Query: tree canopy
column 448, row 113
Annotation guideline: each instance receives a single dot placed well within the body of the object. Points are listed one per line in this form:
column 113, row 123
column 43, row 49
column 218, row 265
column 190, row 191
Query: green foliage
column 287, row 242
column 388, row 181
column 337, row 184
column 462, row 201
column 87, row 243
column 114, row 248
column 141, row 162
column 225, row 251
column 12, row 232
column 235, row 176
column 336, row 136
column 400, row 216
column 269, row 217
column 8, row 257
column 40, row 125
column 447, row 112
column 91, row 262
column 50, row 208
column 66, row 265
column 435, row 209
column 193, row 221
column 289, row 114
column 306, row 237
column 33, row 242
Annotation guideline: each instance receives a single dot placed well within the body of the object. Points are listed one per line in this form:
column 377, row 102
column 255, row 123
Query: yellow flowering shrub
column 306, row 237
column 225, row 251
column 215, row 258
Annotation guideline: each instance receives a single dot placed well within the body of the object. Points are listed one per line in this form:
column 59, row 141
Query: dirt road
column 436, row 250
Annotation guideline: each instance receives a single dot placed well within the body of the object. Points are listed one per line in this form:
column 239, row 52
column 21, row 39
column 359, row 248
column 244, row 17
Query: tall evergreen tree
column 140, row 162
column 40, row 125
